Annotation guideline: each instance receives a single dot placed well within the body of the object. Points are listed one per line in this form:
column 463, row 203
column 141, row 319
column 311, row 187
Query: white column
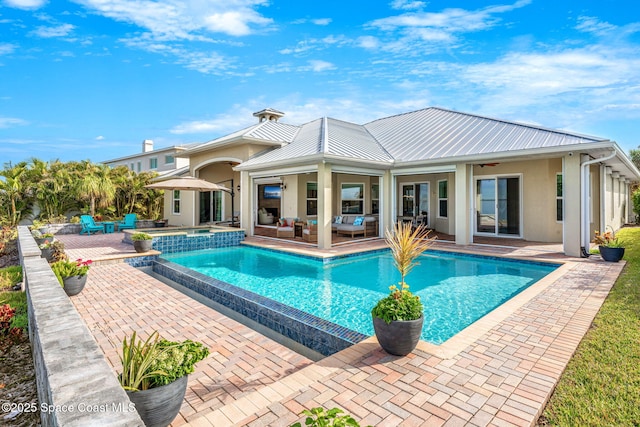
column 571, row 210
column 324, row 205
column 464, row 204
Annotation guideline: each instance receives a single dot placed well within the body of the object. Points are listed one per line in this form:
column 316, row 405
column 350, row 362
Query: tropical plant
column 607, row 239
column 156, row 361
column 635, row 200
column 95, row 185
column 58, row 249
column 65, row 268
column 319, row 417
column 406, row 243
column 141, row 236
column 14, row 195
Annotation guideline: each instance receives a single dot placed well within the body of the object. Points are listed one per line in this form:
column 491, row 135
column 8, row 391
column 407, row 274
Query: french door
column 415, row 199
column 498, row 201
column 210, row 206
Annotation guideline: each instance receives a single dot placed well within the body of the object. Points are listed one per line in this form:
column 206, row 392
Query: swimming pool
column 456, row 289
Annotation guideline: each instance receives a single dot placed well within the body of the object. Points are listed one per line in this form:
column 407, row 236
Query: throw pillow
column 283, row 222
column 338, row 220
column 358, row 221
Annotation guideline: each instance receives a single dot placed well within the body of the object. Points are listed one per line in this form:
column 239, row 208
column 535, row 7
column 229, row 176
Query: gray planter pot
column 159, row 406
column 398, row 337
column 142, row 245
column 74, row 285
column 47, row 254
column 611, row 254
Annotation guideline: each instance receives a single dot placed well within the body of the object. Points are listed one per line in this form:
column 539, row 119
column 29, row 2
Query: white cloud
column 58, row 31
column 99, row 138
column 25, row 4
column 176, row 20
column 368, row 42
column 590, row 24
column 407, row 4
column 9, row 122
column 235, row 23
column 319, row 66
column 7, row 48
column 425, row 31
column 322, row 21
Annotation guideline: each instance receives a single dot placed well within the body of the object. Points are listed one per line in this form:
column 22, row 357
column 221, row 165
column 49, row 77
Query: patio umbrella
column 187, row 183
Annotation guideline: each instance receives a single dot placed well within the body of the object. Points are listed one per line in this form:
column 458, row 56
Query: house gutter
column 584, row 202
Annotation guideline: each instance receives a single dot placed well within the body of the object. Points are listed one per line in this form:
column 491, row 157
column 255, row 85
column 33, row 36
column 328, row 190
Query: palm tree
column 95, row 185
column 12, row 190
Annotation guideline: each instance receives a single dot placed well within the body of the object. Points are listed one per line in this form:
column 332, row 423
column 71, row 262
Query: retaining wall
column 76, row 386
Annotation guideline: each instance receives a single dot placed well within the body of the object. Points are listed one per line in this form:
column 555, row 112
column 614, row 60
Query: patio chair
column 310, row 232
column 285, row 228
column 129, row 222
column 89, row 225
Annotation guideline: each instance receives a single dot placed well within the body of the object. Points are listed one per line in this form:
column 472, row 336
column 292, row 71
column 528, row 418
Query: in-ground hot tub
column 180, row 239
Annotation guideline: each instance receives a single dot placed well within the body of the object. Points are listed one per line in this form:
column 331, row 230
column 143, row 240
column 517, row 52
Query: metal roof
column 434, row 133
column 268, row 131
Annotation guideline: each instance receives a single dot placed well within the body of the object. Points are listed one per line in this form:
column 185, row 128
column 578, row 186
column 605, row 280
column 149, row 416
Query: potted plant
column 72, row 275
column 610, row 247
column 154, row 375
column 142, row 242
column 52, row 250
column 398, row 318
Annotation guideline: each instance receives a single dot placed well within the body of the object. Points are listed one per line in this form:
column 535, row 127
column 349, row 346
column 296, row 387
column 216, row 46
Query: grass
column 601, row 385
column 9, row 276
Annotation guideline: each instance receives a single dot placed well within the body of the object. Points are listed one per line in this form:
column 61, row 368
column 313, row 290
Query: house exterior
column 164, row 161
column 465, row 174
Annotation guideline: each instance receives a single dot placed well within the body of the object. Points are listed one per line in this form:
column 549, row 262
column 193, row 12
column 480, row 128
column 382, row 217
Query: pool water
column 455, row 289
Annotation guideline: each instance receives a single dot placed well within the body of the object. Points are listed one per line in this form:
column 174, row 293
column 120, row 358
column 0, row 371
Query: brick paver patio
column 499, row 371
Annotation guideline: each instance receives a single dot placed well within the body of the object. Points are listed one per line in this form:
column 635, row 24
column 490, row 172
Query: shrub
column 141, row 236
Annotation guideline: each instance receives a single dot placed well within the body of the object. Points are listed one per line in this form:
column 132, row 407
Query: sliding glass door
column 210, row 206
column 498, row 206
column 415, row 199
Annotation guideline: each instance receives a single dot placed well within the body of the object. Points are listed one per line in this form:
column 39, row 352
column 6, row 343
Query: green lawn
column 601, row 385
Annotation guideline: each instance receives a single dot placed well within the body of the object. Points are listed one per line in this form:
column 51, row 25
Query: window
column 153, row 163
column 352, row 196
column 169, row 159
column 559, row 199
column 133, row 166
column 375, row 198
column 139, row 166
column 312, row 198
column 443, row 199
column 176, row 202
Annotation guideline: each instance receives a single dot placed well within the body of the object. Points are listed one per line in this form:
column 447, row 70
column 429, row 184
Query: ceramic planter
column 398, row 337
column 73, row 285
column 47, row 253
column 159, row 406
column 142, row 245
column 611, row 254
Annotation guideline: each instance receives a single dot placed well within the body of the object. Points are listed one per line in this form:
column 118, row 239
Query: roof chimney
column 147, row 145
column 268, row 114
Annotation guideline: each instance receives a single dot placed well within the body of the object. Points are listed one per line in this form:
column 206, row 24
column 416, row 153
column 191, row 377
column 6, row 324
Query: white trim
column 284, row 171
column 561, row 197
column 521, row 200
column 439, row 199
column 196, row 168
column 424, row 170
column 356, row 170
column 363, row 199
column 173, row 204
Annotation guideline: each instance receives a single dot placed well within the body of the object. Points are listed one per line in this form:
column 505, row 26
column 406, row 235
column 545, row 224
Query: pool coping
column 334, row 337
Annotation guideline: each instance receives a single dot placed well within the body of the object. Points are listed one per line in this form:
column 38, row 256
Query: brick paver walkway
column 500, row 371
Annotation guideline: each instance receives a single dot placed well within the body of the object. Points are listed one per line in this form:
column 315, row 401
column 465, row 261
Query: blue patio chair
column 129, row 222
column 89, row 225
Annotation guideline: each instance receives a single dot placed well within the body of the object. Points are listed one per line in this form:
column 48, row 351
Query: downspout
column 584, row 202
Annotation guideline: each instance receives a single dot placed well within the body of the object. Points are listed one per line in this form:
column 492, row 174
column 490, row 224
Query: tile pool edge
column 317, row 334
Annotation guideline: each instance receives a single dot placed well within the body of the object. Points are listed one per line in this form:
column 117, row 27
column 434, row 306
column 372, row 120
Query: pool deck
column 500, row 371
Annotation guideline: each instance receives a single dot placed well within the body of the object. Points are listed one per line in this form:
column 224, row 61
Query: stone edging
column 76, row 386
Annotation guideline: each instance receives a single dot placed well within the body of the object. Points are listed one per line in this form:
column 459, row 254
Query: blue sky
column 90, row 79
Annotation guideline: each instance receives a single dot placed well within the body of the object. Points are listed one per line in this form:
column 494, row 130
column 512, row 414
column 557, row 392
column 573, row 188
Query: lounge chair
column 264, row 217
column 89, row 225
column 129, row 222
column 286, row 228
